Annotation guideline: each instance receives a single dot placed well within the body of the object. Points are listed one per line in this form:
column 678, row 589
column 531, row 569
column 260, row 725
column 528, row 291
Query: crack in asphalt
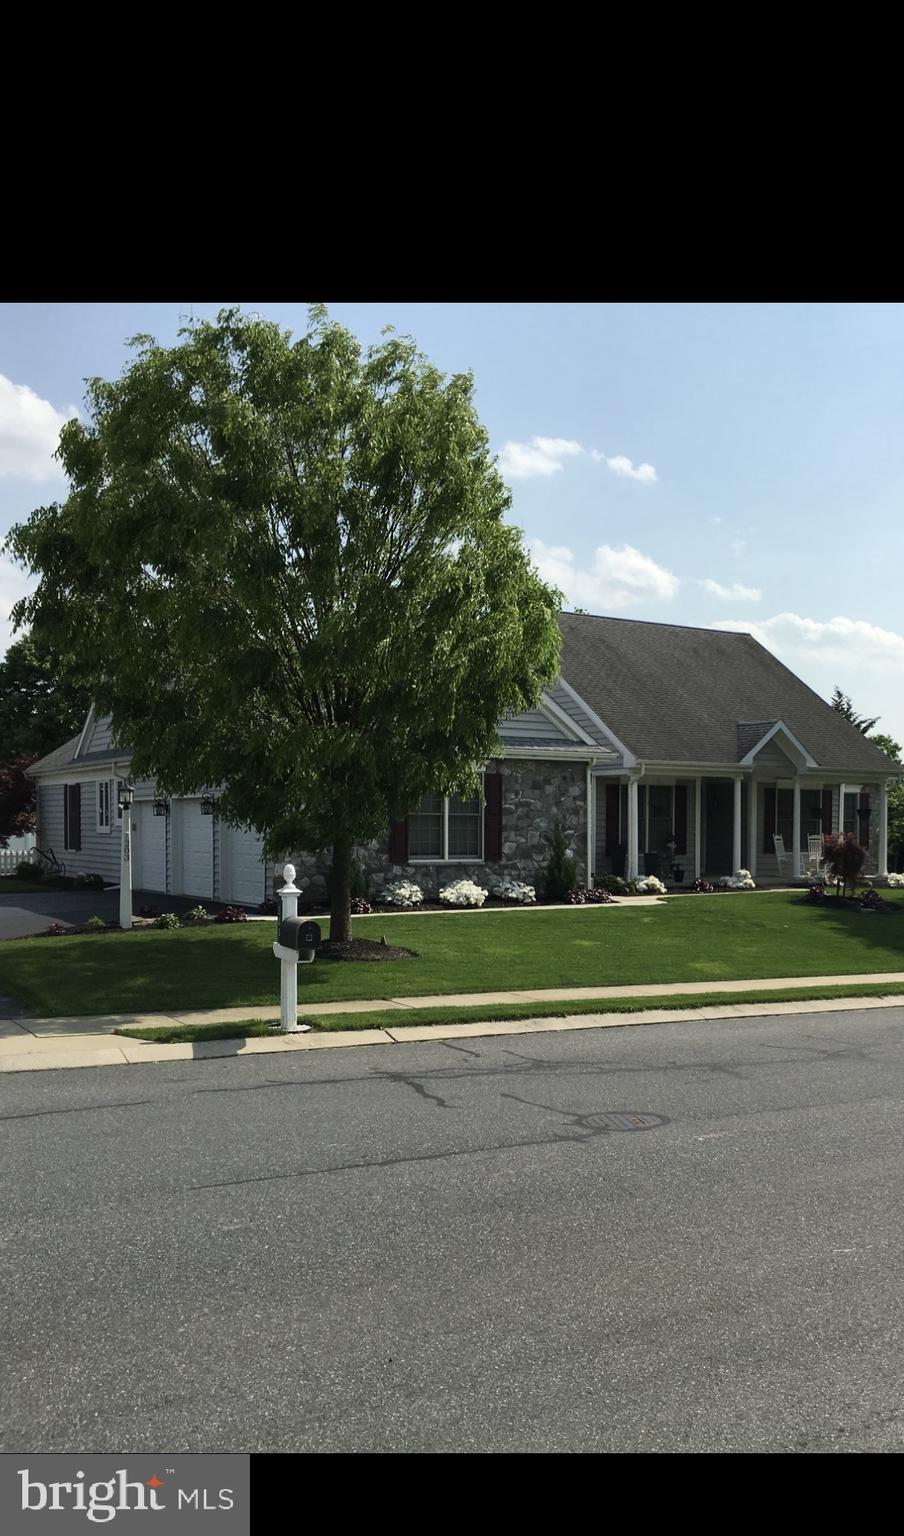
column 78, row 1109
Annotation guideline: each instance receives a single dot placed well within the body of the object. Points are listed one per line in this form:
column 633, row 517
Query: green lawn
column 710, row 938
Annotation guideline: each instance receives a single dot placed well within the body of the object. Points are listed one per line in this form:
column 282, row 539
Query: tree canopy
column 283, row 567
column 38, row 710
column 841, row 702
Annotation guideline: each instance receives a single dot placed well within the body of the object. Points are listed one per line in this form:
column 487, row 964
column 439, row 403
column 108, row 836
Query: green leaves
column 284, row 568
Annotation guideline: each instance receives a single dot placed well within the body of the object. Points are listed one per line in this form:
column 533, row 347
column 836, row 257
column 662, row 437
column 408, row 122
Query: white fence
column 10, row 858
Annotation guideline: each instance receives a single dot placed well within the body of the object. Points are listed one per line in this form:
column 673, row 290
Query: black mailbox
column 301, row 935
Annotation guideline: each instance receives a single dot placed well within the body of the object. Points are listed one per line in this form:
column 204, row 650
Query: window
column 446, row 829
column 72, row 817
column 106, row 794
column 810, row 817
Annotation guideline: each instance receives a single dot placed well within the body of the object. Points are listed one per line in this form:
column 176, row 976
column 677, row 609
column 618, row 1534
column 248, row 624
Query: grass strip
column 396, row 1018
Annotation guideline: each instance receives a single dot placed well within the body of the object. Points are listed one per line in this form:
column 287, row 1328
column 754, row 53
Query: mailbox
column 300, row 938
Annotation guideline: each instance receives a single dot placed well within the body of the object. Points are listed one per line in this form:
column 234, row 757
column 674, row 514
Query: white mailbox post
column 288, row 959
column 126, row 796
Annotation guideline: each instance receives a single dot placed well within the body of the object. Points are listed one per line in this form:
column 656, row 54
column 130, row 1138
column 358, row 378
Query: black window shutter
column 768, row 820
column 398, row 841
column 66, row 789
column 863, row 813
column 76, row 816
column 611, row 818
column 492, row 817
column 681, row 818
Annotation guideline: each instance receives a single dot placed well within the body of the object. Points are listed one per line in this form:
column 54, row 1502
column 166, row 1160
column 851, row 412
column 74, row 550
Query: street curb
column 136, row 1052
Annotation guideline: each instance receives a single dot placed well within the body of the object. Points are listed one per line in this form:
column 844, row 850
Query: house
column 654, row 735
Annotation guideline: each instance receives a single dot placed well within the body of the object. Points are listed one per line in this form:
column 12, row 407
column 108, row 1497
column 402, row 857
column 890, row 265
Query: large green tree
column 284, row 568
column 38, row 709
column 892, row 749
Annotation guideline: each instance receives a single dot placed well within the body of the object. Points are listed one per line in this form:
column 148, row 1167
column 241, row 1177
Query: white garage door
column 241, row 866
column 192, row 851
column 148, row 848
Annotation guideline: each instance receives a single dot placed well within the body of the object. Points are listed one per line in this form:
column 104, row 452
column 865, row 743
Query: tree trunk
column 341, row 892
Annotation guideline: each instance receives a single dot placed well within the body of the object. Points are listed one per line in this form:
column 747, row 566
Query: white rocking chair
column 814, row 853
column 780, row 855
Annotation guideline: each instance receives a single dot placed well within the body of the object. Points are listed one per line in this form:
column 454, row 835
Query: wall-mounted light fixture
column 208, row 805
column 161, row 807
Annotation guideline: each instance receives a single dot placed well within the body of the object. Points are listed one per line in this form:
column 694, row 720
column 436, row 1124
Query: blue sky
column 732, row 465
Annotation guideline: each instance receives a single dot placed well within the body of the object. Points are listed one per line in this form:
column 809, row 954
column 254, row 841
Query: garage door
column 192, row 851
column 241, row 866
column 148, row 848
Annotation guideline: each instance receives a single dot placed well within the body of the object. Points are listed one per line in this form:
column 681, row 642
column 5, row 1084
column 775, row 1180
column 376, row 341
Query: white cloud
column 546, row 456
column 736, row 593
column 13, row 585
column 866, row 661
column 616, row 578
column 29, row 432
column 619, row 465
column 541, row 456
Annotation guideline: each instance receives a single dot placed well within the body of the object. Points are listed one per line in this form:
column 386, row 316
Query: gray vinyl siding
column 533, row 724
column 98, row 738
column 50, row 818
column 575, row 712
column 772, row 756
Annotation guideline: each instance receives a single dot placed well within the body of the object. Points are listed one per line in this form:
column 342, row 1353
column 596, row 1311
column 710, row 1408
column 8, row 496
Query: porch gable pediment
column 757, row 735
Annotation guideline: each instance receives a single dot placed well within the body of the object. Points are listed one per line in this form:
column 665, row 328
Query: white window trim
column 464, row 858
column 108, row 786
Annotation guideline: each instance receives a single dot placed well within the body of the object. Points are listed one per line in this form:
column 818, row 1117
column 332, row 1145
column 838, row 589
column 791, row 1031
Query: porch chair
column 814, row 853
column 780, row 855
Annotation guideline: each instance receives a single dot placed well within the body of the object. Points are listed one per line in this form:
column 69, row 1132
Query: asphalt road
column 685, row 1237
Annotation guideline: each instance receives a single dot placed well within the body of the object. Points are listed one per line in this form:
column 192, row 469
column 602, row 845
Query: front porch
column 716, row 823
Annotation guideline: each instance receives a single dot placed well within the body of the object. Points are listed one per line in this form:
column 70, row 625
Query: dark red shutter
column 826, row 823
column 398, row 841
column 612, row 792
column 492, row 817
column 768, row 820
column 681, row 818
column 863, row 814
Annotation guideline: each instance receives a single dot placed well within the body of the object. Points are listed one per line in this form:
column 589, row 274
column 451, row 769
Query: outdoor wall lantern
column 161, row 807
column 208, row 805
column 126, row 796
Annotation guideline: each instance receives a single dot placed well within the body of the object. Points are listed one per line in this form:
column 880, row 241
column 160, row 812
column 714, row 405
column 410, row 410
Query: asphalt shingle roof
column 674, row 694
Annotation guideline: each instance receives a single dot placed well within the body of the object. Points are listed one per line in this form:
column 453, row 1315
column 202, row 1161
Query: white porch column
column 795, row 831
column 698, row 831
column 751, row 826
column 631, row 870
column 590, row 826
column 840, row 809
column 736, row 827
column 883, row 827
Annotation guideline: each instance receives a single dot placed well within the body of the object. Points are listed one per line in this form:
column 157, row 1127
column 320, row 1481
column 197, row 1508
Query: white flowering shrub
column 403, row 893
column 513, row 890
column 463, row 893
column 741, row 881
column 650, row 885
column 896, row 879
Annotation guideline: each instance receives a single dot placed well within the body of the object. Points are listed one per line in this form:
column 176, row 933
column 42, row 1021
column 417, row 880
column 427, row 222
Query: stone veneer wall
column 535, row 794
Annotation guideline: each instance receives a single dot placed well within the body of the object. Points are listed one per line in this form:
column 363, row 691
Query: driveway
column 27, row 912
column 684, row 1238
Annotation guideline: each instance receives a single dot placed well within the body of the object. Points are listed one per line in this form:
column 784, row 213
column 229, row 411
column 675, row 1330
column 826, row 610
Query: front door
column 718, row 811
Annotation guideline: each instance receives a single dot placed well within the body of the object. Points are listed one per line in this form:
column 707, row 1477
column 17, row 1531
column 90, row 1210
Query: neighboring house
column 654, row 733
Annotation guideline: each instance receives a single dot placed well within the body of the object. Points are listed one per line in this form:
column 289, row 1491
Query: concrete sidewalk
column 33, row 1044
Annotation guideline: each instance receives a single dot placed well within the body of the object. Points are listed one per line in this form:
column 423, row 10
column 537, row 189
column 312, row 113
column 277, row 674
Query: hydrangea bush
column 896, row 880
column 513, row 890
column 741, row 881
column 650, row 885
column 463, row 893
column 403, row 893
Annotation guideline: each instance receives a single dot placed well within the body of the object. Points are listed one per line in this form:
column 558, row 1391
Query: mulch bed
column 831, row 903
column 362, row 949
